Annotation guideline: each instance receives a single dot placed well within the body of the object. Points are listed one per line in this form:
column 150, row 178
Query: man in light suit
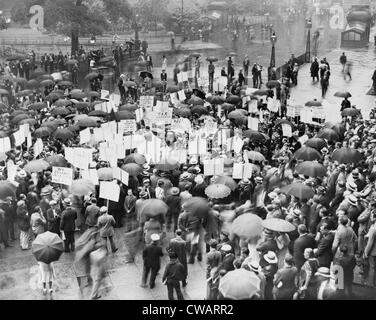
column 370, row 250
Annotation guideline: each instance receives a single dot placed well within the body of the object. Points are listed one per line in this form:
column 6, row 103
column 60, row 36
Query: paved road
column 19, row 277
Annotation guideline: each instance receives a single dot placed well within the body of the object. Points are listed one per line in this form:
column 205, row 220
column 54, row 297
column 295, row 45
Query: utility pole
column 308, row 45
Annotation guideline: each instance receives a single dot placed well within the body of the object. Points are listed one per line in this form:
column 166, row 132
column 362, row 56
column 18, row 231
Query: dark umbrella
column 298, row 190
column 146, row 74
column 82, row 105
column 200, row 110
column 4, row 92
column 47, row 247
column 57, row 161
column 167, row 165
column 311, row 169
column 98, row 113
column 212, row 59
column 43, row 132
column 60, row 111
column 328, row 134
column 350, row 112
column 125, row 115
column 316, row 143
column 254, row 135
column 93, row 94
column 19, row 117
column 313, row 103
column 261, row 92
column 307, row 154
column 132, row 168
column 197, row 206
column 172, row 89
column 238, row 113
column 63, row 134
column 32, row 84
column 199, row 93
column 342, row 94
column 91, row 76
column 183, row 112
column 62, row 103
column 78, row 95
column 347, row 155
column 215, row 100
column 228, row 107
column 233, row 99
column 135, row 158
column 273, row 84
column 7, row 189
column 128, row 107
column 153, row 208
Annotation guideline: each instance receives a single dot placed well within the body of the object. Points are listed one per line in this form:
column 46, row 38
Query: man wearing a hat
column 179, row 246
column 358, row 179
column 268, row 243
column 269, row 270
column 106, row 223
column 227, row 258
column 53, row 217
column 173, row 274
column 130, row 207
column 151, row 256
column 304, row 241
column 67, row 225
column 174, row 207
column 213, row 257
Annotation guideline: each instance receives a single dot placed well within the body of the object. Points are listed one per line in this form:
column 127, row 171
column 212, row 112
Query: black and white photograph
column 194, row 150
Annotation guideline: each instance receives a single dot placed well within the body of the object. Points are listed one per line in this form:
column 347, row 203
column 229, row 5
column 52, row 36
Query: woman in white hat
column 23, row 224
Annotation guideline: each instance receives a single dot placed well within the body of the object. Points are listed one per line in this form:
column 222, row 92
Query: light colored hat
column 103, row 209
column 296, row 213
column 67, row 201
column 155, row 237
column 174, row 191
column 143, row 194
column 323, row 271
column 20, row 203
column 226, row 248
column 185, row 175
column 270, row 257
column 272, row 195
column 352, row 199
column 53, row 203
column 254, row 266
column 22, row 174
column 259, row 179
column 351, row 186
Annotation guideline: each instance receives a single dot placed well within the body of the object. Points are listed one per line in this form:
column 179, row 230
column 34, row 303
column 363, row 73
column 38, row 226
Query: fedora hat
column 143, row 194
column 174, row 191
column 272, row 195
column 103, row 209
column 351, row 186
column 254, row 266
column 185, row 175
column 352, row 199
column 226, row 248
column 155, row 237
column 67, row 201
column 296, row 213
column 22, row 174
column 270, row 257
column 323, row 271
column 259, row 179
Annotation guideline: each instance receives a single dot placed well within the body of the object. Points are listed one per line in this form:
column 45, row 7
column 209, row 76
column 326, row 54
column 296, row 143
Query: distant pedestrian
column 315, row 70
column 174, row 273
column 179, row 246
column 67, row 225
column 98, row 272
column 47, row 273
column 343, row 61
column 106, row 223
column 347, row 70
column 246, row 64
column 211, row 70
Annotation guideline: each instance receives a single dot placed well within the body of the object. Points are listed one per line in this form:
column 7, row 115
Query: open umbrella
column 135, row 158
column 7, row 189
column 239, row 284
column 342, row 94
column 316, row 143
column 337, row 127
column 278, row 225
column 19, row 80
column 36, row 166
column 65, row 83
column 82, row 106
column 172, row 89
column 255, row 156
column 63, row 134
column 212, row 59
column 146, row 74
column 283, row 121
column 62, row 111
column 228, row 107
column 247, row 226
column 106, row 59
column 125, row 115
column 88, row 122
column 93, row 94
column 227, row 181
column 254, row 135
column 350, row 112
column 43, row 132
column 133, row 169
column 273, row 84
column 153, row 208
column 57, row 160
column 167, row 165
column 19, row 117
column 196, row 101
column 24, row 93
column 4, row 92
column 52, row 97
column 195, row 54
column 47, row 247
column 183, row 112
column 105, row 174
column 313, row 103
column 233, row 99
column 311, row 169
column 50, row 124
column 32, row 84
column 128, row 107
column 30, row 121
column 197, row 206
column 232, row 54
column 261, row 92
column 238, row 113
column 328, row 134
column 217, row 191
column 72, row 62
column 62, row 103
column 98, row 113
column 38, row 106
column 347, row 155
column 78, row 95
column 215, row 99
column 199, row 110
column 298, row 190
column 91, row 76
column 307, row 154
column 82, row 187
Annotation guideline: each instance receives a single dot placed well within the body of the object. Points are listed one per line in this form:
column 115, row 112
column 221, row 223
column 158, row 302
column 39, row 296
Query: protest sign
column 62, row 175
column 139, row 115
column 109, row 190
column 252, row 106
column 180, row 125
column 181, row 95
column 253, row 123
column 210, row 126
column 286, row 130
column 291, row 111
column 129, row 126
column 85, row 136
column 105, row 94
column 146, row 101
column 38, row 147
column 19, row 138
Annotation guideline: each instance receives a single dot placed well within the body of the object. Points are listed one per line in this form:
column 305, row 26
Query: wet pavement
column 19, row 275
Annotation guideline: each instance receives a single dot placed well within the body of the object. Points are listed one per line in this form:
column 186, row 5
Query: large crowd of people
column 317, row 179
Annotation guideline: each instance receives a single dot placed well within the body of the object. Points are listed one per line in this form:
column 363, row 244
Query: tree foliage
column 117, row 9
column 20, row 12
column 152, row 12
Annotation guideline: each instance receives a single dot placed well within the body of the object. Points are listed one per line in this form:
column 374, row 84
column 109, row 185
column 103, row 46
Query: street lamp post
column 273, row 40
column 308, row 45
